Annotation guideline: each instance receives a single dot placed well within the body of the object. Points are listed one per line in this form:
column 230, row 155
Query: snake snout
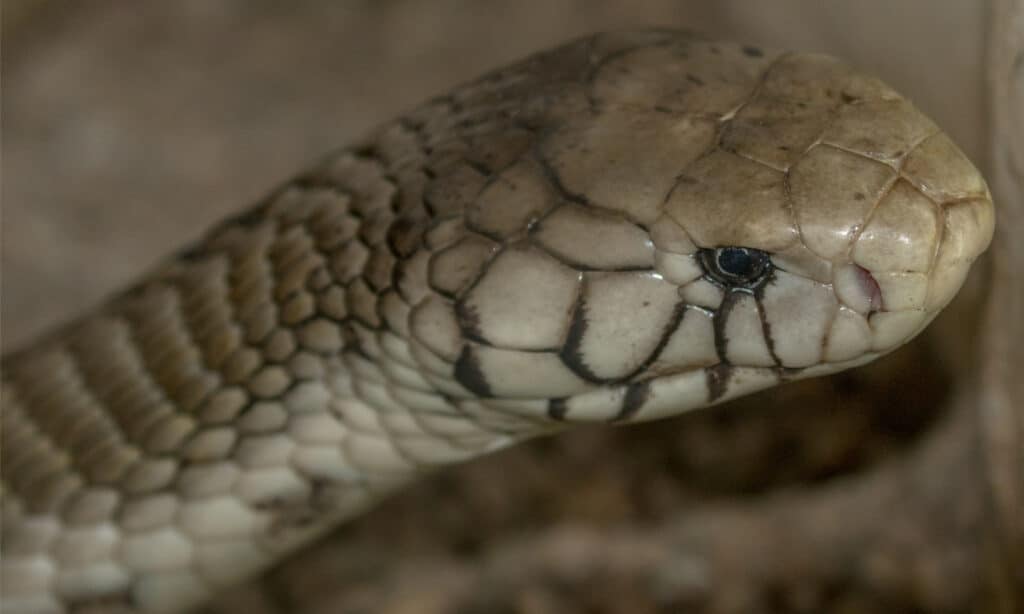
column 914, row 248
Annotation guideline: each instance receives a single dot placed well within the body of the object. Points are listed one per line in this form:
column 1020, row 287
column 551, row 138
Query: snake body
column 625, row 227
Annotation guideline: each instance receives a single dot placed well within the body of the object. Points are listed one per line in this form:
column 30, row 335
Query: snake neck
column 247, row 396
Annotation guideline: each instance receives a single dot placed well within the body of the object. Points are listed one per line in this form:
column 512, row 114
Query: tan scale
column 623, row 228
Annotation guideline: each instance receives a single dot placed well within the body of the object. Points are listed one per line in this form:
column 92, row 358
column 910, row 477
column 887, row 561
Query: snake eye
column 736, row 266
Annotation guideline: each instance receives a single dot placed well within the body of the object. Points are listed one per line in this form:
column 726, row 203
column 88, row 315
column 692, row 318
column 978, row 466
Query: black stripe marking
column 469, row 322
column 636, row 395
column 571, row 353
column 766, row 326
column 718, row 378
column 720, row 321
column 557, row 409
column 678, row 313
column 470, row 375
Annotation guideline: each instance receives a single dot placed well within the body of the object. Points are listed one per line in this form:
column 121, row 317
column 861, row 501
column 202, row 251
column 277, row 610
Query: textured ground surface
column 126, row 132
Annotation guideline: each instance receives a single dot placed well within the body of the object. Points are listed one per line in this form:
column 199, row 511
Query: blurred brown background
column 128, row 127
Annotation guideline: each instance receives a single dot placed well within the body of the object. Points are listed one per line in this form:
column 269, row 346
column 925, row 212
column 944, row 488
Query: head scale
column 689, row 220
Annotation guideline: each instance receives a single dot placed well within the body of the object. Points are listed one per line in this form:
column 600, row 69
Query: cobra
column 626, row 227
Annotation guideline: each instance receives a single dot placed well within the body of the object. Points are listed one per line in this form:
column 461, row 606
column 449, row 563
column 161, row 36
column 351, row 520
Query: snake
column 625, row 227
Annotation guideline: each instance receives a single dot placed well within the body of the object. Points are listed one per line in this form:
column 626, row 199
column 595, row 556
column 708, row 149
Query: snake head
column 694, row 220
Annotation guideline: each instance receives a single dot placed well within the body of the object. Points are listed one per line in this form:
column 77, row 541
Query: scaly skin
column 535, row 249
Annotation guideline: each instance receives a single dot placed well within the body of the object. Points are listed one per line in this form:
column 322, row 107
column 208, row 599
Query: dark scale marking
column 377, row 271
column 718, row 378
column 694, row 79
column 678, row 313
column 378, row 309
column 766, row 326
column 570, row 353
column 349, row 338
column 557, row 409
column 429, row 207
column 635, row 397
column 470, row 375
column 720, row 320
column 551, row 174
column 451, row 297
column 352, row 316
column 752, row 52
column 469, row 322
column 398, row 278
column 404, row 237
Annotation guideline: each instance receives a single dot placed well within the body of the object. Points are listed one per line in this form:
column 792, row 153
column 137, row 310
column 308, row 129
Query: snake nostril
column 870, row 288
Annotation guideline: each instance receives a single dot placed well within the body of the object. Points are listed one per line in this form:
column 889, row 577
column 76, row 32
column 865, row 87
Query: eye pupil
column 733, row 266
column 735, row 261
